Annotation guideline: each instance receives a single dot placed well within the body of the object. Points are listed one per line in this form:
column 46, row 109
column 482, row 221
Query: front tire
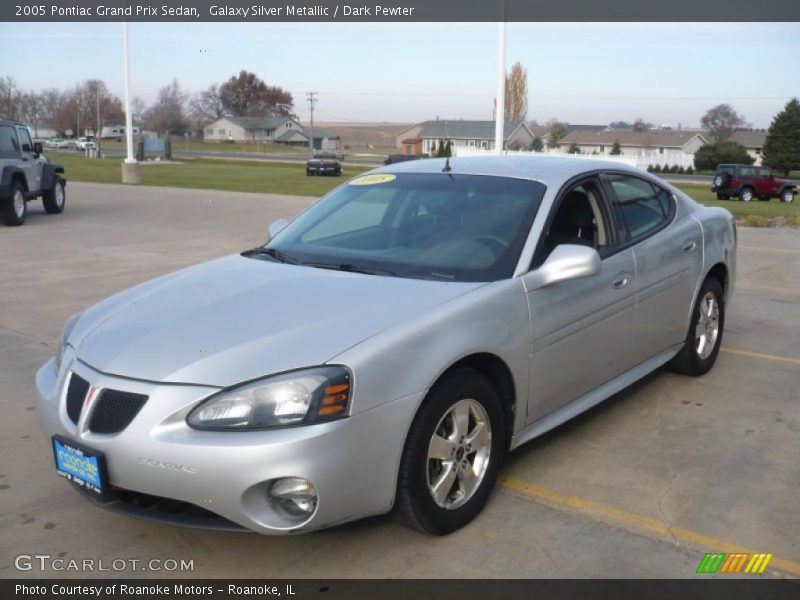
column 452, row 454
column 55, row 198
column 787, row 196
column 15, row 207
column 705, row 332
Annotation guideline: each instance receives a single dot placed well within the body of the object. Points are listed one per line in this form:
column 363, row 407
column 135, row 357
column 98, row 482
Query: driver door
column 30, row 163
column 581, row 329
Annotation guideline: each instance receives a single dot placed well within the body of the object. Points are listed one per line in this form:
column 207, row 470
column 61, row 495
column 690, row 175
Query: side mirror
column 566, row 262
column 37, row 148
column 276, row 228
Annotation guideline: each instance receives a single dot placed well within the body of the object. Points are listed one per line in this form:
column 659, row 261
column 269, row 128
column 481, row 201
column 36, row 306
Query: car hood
column 235, row 319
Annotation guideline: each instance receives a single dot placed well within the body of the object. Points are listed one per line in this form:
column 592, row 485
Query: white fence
column 641, row 160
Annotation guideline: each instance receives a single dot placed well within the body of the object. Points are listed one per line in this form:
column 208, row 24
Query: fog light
column 293, row 498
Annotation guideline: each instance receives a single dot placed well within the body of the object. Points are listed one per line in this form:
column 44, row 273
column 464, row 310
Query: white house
column 650, row 147
column 252, row 129
column 422, row 137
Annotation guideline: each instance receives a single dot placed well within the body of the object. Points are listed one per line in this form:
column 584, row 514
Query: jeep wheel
column 746, row 195
column 722, row 196
column 787, row 196
column 55, row 198
column 14, row 208
column 720, row 180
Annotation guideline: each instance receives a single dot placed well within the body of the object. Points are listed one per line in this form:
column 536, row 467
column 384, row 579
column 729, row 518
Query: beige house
column 753, row 141
column 656, row 146
column 251, row 129
column 463, row 134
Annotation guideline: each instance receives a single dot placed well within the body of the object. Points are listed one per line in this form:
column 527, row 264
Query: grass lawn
column 211, row 174
column 199, row 145
column 284, row 178
column 754, row 213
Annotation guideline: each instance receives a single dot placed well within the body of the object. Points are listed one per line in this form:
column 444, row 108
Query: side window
column 578, row 219
column 9, row 146
column 25, row 140
column 362, row 213
column 643, row 208
column 747, row 172
column 764, row 173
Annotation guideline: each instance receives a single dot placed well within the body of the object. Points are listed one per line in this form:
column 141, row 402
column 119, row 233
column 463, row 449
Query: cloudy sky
column 580, row 73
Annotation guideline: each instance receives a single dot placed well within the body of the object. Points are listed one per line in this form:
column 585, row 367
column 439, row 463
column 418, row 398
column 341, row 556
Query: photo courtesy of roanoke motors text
column 495, row 299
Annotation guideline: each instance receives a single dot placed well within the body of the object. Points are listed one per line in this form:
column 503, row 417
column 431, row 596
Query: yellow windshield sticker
column 373, row 179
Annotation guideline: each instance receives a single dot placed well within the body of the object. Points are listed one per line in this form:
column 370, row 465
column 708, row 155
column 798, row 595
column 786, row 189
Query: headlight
column 294, row 398
column 68, row 327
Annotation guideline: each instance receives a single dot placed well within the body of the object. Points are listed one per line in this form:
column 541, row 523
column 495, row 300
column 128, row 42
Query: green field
column 285, row 178
column 199, row 145
column 211, row 174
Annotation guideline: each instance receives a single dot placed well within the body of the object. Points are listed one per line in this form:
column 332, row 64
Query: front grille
column 76, row 394
column 114, row 410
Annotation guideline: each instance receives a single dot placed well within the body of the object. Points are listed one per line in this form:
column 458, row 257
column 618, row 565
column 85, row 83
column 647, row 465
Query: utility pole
column 97, row 107
column 311, row 101
column 130, row 169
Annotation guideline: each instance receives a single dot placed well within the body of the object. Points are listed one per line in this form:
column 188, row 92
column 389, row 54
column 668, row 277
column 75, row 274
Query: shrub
column 689, row 171
column 710, row 155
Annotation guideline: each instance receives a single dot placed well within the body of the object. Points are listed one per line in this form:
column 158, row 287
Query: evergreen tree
column 782, row 148
column 616, row 149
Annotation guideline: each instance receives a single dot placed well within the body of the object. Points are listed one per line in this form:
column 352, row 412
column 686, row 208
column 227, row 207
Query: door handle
column 621, row 280
column 689, row 246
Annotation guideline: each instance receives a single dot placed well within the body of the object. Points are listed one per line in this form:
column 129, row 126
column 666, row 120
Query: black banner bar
column 400, row 10
column 392, row 589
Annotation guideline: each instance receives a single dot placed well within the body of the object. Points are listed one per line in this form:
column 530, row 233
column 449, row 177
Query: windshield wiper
column 350, row 268
column 272, row 253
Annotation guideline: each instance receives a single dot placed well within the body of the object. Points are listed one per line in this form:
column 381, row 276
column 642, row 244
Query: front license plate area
column 80, row 465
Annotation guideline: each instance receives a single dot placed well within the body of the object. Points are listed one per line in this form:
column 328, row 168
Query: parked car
column 324, row 163
column 396, row 158
column 84, row 143
column 747, row 182
column 388, row 347
column 56, row 143
column 26, row 174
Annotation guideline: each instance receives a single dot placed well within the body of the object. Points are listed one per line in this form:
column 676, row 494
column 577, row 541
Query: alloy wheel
column 707, row 328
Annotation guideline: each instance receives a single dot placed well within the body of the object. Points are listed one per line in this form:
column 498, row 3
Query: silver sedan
column 387, row 348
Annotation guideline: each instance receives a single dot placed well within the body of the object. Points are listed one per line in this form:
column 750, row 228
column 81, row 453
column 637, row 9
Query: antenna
column 447, row 167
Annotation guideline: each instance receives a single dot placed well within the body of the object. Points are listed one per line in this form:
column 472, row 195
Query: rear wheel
column 55, row 198
column 746, row 195
column 14, row 208
column 787, row 196
column 452, row 454
column 705, row 332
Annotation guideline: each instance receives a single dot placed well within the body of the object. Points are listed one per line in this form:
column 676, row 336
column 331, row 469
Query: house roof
column 458, row 129
column 644, row 139
column 290, row 133
column 257, row 122
column 323, row 133
column 749, row 139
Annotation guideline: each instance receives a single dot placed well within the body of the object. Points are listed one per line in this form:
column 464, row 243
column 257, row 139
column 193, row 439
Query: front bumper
column 353, row 462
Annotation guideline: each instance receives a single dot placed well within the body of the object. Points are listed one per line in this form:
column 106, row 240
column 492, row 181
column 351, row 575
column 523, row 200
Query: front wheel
column 452, row 454
column 55, row 198
column 14, row 208
column 787, row 196
column 705, row 332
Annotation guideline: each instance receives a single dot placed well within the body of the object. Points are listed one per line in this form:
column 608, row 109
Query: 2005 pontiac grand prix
column 389, row 346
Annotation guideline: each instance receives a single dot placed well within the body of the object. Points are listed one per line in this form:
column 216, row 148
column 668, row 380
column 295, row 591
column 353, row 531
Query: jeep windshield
column 436, row 226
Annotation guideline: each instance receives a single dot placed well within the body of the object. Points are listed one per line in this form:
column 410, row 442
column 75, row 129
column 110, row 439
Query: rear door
column 30, row 165
column 667, row 245
column 766, row 185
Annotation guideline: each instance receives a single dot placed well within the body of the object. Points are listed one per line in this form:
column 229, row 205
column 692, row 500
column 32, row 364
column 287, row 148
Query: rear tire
column 722, row 196
column 746, row 195
column 15, row 207
column 704, row 337
column 452, row 454
column 55, row 198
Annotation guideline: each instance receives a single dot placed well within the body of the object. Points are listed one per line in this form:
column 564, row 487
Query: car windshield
column 324, row 155
column 436, row 226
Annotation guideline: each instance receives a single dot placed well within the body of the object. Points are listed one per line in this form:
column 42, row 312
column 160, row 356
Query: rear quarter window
column 9, row 145
column 643, row 208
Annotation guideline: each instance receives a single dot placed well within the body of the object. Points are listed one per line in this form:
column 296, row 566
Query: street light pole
column 130, row 168
column 500, row 112
column 311, row 101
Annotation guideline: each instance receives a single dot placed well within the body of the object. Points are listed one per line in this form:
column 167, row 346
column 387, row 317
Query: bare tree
column 138, row 107
column 639, row 125
column 31, row 110
column 246, row 95
column 517, row 93
column 168, row 114
column 52, row 102
column 722, row 121
column 9, row 98
column 207, row 105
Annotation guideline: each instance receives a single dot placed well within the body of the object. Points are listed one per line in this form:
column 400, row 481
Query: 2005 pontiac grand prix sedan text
column 389, row 346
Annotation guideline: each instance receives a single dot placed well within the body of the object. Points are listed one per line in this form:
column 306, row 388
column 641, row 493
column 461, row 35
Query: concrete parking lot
column 641, row 486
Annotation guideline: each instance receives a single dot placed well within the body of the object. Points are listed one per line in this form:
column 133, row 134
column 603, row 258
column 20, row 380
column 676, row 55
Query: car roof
column 539, row 167
column 9, row 122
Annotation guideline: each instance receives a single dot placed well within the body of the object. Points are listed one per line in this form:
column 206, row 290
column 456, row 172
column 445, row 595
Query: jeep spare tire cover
column 720, row 179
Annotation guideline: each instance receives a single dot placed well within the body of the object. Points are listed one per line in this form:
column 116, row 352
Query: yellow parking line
column 641, row 523
column 763, row 249
column 788, row 290
column 786, row 359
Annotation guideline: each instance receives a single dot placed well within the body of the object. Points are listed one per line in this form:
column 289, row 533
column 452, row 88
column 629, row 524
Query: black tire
column 309, row 173
column 746, row 194
column 787, row 196
column 722, row 196
column 55, row 198
column 415, row 505
column 14, row 213
column 763, row 198
column 689, row 360
column 720, row 180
